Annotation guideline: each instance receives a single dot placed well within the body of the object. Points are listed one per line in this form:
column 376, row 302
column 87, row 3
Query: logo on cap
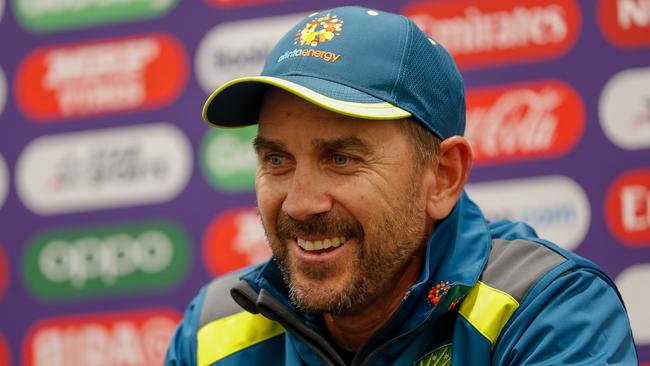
column 321, row 29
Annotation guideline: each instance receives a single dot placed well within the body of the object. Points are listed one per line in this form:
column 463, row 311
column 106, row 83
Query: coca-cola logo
column 625, row 23
column 235, row 239
column 97, row 78
column 627, row 208
column 523, row 121
column 132, row 338
column 499, row 32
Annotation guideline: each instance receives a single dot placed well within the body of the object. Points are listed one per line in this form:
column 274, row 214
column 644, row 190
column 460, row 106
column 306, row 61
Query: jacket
column 488, row 294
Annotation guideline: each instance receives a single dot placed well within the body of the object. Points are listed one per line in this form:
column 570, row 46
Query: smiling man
column 379, row 257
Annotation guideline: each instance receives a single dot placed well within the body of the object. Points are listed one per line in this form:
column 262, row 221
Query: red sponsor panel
column 234, row 239
column 536, row 120
column 240, row 3
column 5, row 354
column 499, row 32
column 4, row 274
column 626, row 23
column 133, row 338
column 102, row 77
column 627, row 208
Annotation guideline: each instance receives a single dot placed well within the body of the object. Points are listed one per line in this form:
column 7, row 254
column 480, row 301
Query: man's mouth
column 315, row 245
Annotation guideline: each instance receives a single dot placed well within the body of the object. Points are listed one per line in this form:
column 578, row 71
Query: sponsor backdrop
column 117, row 202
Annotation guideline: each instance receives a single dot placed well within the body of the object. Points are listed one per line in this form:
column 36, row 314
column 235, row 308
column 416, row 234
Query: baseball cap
column 355, row 61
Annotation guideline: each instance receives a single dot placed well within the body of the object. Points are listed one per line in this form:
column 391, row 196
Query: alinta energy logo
column 627, row 208
column 525, row 121
column 135, row 338
column 101, row 261
column 53, row 15
column 625, row 23
column 490, row 33
column 101, row 77
column 319, row 30
column 234, row 239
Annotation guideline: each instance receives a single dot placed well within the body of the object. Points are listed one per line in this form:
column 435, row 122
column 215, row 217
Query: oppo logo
column 133, row 338
column 625, row 23
column 627, row 208
column 624, row 109
column 555, row 206
column 102, row 77
column 527, row 121
column 233, row 240
column 100, row 169
column 499, row 32
column 632, row 283
column 4, row 181
column 100, row 261
column 226, row 51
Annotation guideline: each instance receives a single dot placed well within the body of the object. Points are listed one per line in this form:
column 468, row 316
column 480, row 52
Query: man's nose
column 308, row 194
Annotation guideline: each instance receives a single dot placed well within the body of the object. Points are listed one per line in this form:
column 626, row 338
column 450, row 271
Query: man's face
column 340, row 200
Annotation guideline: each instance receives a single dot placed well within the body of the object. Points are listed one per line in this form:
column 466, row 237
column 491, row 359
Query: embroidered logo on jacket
column 441, row 356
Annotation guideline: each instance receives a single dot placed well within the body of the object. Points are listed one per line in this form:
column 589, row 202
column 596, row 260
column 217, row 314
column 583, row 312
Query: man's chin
column 320, row 296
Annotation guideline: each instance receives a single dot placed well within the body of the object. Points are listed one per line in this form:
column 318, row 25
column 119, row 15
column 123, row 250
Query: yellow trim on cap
column 379, row 111
column 488, row 310
column 225, row 336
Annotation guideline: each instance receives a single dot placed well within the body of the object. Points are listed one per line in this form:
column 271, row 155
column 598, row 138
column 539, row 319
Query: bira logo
column 110, row 76
column 132, row 338
column 102, row 261
column 625, row 23
column 523, row 122
column 235, row 239
column 627, row 208
column 499, row 32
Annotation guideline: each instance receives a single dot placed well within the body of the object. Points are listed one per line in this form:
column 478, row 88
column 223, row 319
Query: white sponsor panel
column 555, row 206
column 100, row 169
column 2, row 9
column 624, row 109
column 4, row 181
column 3, row 80
column 236, row 49
column 632, row 283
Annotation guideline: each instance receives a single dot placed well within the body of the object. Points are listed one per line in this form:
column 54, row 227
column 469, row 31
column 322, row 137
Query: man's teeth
column 321, row 244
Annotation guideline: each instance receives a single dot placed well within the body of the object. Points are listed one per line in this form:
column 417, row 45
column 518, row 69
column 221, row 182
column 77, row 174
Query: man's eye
column 341, row 159
column 275, row 160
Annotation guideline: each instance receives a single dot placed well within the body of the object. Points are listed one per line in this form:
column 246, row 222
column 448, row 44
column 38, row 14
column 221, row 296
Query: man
column 380, row 258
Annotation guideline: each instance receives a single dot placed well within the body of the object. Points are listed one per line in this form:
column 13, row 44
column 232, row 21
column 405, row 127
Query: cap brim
column 237, row 102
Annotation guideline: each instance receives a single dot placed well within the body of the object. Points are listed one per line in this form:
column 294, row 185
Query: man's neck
column 351, row 330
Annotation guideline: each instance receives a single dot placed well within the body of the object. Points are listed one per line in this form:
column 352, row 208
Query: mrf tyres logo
column 102, row 261
column 228, row 159
column 108, row 76
column 627, row 208
column 624, row 108
column 52, row 15
column 555, row 206
column 226, row 51
column 235, row 239
column 130, row 338
column 499, row 32
column 625, row 23
column 100, row 169
column 528, row 121
column 319, row 30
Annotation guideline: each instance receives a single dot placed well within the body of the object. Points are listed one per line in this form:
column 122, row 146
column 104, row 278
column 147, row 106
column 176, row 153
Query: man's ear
column 449, row 173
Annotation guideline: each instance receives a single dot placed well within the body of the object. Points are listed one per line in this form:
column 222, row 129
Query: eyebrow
column 335, row 144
